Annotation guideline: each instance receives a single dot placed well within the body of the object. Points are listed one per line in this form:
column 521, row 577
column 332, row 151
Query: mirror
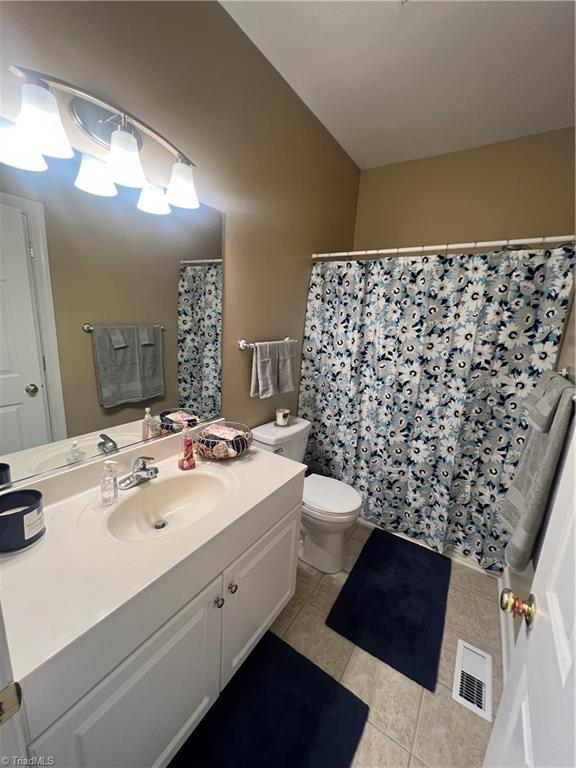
column 151, row 286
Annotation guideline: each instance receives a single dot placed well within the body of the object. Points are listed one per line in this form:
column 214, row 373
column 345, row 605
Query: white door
column 535, row 721
column 12, row 742
column 24, row 421
column 256, row 588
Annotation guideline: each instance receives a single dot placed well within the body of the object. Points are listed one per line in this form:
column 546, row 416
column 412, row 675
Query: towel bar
column 88, row 327
column 243, row 344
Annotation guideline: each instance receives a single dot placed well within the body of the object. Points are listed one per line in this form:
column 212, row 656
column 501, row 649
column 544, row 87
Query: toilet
column 329, row 507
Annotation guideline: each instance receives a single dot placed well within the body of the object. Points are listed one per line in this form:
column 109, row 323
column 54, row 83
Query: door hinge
column 10, row 699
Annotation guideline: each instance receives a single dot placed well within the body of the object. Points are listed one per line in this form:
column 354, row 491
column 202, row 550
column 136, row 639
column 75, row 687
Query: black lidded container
column 21, row 520
column 5, row 478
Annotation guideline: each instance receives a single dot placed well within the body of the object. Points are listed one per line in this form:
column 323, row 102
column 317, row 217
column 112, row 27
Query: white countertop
column 77, row 575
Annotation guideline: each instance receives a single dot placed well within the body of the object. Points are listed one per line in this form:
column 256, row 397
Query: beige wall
column 110, row 263
column 286, row 187
column 519, row 188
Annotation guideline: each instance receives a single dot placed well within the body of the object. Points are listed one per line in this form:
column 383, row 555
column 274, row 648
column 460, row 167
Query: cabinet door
column 256, row 588
column 143, row 711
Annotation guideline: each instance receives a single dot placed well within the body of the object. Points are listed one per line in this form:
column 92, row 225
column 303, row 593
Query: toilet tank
column 289, row 441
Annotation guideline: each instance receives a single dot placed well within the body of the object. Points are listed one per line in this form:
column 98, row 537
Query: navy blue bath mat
column 393, row 605
column 278, row 711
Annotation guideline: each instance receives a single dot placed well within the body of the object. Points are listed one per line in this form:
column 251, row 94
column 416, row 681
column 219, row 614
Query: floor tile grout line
column 293, row 619
column 418, row 718
column 389, row 736
column 346, row 666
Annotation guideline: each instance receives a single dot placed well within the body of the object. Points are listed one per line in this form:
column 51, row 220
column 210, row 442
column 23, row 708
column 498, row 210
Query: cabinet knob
column 233, row 588
column 219, row 602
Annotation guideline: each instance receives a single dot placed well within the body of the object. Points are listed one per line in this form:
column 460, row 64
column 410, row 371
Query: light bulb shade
column 181, row 190
column 153, row 200
column 16, row 151
column 94, row 177
column 124, row 160
column 39, row 122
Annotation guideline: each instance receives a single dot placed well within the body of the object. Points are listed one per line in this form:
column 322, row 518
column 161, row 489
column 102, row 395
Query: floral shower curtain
column 412, row 376
column 200, row 338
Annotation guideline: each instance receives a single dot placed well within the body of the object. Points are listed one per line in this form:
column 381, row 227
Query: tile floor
column 408, row 727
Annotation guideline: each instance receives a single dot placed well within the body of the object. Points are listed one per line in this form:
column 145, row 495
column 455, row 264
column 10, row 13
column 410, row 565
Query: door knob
column 509, row 603
column 31, row 389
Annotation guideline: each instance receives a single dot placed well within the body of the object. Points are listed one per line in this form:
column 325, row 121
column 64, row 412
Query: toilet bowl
column 329, row 507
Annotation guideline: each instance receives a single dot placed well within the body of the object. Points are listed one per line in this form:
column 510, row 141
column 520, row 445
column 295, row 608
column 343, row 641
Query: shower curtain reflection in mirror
column 200, row 338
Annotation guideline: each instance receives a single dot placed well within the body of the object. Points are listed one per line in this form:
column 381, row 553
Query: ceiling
column 396, row 81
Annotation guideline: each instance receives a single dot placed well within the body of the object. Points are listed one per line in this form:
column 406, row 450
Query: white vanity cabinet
column 255, row 585
column 136, row 716
column 142, row 712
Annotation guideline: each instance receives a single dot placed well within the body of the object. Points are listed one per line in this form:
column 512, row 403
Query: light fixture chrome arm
column 62, row 85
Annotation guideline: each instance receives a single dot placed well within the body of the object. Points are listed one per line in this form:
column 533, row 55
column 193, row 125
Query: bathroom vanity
column 123, row 634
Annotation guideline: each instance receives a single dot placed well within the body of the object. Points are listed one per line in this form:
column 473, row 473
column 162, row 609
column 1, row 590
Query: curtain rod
column 426, row 249
column 202, row 261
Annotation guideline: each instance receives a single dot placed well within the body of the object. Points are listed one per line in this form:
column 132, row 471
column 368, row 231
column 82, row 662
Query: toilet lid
column 324, row 494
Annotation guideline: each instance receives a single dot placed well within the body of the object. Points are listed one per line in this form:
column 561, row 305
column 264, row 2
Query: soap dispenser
column 75, row 453
column 109, row 483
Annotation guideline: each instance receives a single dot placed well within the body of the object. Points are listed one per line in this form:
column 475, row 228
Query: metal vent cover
column 472, row 685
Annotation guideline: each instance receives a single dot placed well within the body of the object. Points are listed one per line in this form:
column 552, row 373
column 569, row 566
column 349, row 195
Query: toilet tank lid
column 272, row 434
column 329, row 495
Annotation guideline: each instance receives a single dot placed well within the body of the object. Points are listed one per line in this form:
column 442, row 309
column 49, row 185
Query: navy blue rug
column 393, row 605
column 278, row 711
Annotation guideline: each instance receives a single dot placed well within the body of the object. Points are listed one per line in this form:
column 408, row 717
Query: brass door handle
column 509, row 603
column 31, row 389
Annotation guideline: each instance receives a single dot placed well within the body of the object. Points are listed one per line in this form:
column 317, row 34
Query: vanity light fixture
column 15, row 152
column 124, row 160
column 39, row 122
column 39, row 131
column 181, row 191
column 94, row 177
column 153, row 200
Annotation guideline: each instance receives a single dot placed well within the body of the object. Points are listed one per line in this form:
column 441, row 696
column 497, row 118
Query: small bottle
column 109, row 483
column 146, row 424
column 187, row 461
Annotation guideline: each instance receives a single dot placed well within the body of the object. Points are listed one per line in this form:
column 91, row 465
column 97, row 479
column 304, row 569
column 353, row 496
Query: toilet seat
column 328, row 499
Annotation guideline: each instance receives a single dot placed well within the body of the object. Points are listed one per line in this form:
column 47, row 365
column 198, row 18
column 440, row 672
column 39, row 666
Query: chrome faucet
column 142, row 471
column 107, row 445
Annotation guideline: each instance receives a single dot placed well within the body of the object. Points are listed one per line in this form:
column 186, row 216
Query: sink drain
column 159, row 524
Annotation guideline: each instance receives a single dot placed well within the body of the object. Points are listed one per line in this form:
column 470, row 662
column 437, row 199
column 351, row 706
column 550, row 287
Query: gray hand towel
column 286, row 355
column 542, row 402
column 523, row 508
column 264, row 370
column 272, row 368
column 152, row 363
column 116, row 338
column 117, row 365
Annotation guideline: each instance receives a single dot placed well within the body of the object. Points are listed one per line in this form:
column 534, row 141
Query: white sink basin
column 161, row 507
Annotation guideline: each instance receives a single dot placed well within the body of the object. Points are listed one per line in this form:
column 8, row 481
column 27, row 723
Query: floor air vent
column 473, row 679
